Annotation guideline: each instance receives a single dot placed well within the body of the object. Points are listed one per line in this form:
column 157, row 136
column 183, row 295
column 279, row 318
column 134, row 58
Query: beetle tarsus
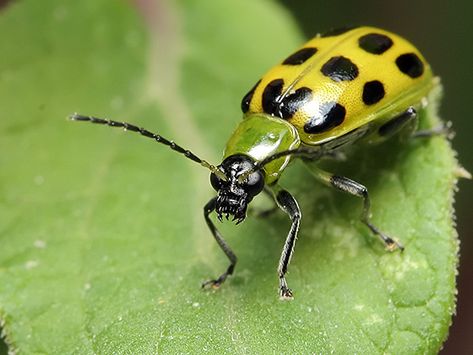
column 393, row 245
column 285, row 293
column 390, row 243
column 216, row 283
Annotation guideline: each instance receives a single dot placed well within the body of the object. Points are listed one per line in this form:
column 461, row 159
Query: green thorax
column 260, row 136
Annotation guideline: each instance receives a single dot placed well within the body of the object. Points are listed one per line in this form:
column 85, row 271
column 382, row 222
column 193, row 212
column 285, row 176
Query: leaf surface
column 103, row 240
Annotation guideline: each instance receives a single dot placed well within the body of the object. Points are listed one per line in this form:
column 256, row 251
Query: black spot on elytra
column 271, row 94
column 331, row 115
column 300, row 56
column 410, row 64
column 375, row 43
column 373, row 92
column 291, row 103
column 340, row 69
column 337, row 31
column 245, row 103
column 285, row 107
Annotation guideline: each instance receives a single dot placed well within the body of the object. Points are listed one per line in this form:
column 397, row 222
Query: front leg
column 215, row 283
column 288, row 204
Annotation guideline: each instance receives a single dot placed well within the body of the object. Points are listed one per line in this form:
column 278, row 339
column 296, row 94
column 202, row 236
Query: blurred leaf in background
column 103, row 241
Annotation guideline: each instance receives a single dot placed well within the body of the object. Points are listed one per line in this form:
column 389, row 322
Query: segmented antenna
column 144, row 132
column 303, row 151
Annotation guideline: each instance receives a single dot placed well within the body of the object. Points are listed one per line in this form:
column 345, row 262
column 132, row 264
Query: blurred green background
column 443, row 31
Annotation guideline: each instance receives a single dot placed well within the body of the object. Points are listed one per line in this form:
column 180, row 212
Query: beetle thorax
column 260, row 136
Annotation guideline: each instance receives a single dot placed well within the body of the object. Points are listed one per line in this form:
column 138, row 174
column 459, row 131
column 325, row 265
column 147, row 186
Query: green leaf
column 103, row 241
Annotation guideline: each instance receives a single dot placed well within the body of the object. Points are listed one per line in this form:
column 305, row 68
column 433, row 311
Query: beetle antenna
column 301, row 152
column 144, row 132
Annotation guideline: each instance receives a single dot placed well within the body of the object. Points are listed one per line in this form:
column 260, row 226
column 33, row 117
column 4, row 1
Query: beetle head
column 233, row 195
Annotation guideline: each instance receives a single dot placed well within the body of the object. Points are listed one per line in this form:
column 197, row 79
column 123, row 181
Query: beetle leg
column 209, row 208
column 444, row 129
column 288, row 204
column 354, row 188
column 407, row 118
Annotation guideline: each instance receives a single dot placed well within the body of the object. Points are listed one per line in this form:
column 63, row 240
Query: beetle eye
column 215, row 181
column 255, row 183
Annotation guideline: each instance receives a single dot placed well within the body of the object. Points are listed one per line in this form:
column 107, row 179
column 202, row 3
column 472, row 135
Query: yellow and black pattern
column 340, row 81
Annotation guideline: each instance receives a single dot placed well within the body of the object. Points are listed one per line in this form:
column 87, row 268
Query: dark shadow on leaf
column 3, row 345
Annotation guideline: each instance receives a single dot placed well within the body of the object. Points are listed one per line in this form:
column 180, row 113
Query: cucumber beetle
column 342, row 87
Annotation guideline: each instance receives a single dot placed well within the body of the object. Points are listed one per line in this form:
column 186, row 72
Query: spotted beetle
column 341, row 87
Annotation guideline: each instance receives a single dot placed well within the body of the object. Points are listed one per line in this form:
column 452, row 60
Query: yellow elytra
column 342, row 81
